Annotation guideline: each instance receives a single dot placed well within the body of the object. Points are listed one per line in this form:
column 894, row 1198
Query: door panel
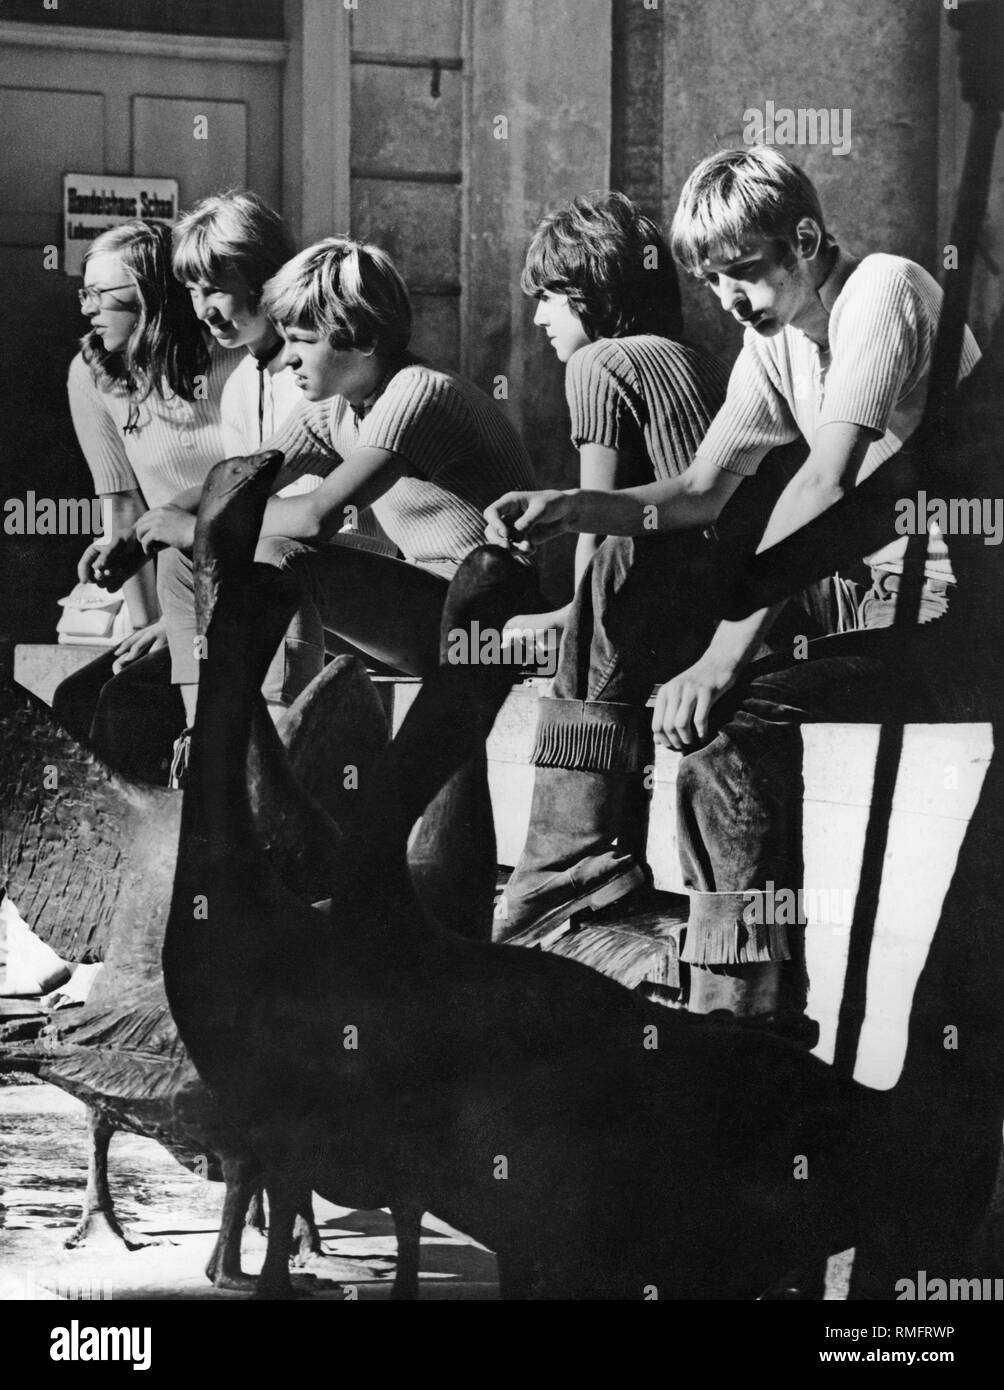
column 163, row 141
column 46, row 132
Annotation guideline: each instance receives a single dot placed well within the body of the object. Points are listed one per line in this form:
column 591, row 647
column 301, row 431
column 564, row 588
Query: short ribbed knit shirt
column 883, row 321
column 167, row 446
column 649, row 397
column 457, row 450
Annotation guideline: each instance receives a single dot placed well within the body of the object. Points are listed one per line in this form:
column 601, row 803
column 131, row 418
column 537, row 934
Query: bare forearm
column 296, row 517
column 665, row 506
column 140, row 594
column 801, row 502
column 188, row 500
column 735, row 644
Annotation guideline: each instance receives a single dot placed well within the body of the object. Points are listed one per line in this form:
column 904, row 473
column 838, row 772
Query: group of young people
column 217, row 339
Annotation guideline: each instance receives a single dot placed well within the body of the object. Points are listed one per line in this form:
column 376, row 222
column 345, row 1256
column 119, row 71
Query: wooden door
column 205, row 110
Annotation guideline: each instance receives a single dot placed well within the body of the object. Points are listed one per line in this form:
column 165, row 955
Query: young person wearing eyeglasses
column 420, row 446
column 144, row 394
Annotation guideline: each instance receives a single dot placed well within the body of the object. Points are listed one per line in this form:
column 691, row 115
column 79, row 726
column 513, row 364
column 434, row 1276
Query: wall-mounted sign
column 94, row 202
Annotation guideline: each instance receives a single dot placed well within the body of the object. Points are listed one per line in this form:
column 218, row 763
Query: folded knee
column 279, row 551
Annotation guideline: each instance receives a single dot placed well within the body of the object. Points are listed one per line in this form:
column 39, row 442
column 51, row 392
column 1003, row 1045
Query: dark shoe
column 741, row 990
column 588, row 886
column 765, row 994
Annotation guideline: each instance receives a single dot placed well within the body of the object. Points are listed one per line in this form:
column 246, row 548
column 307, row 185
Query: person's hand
column 682, row 706
column 140, row 643
column 110, row 564
column 521, row 520
column 166, row 526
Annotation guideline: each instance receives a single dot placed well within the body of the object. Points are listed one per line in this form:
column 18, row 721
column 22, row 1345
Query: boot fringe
column 588, row 736
column 718, row 933
column 735, row 944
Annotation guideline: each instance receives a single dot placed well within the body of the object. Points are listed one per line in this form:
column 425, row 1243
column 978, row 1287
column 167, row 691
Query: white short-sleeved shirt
column 162, row 446
column 256, row 402
column 874, row 371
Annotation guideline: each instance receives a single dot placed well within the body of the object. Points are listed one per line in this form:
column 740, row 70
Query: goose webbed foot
column 306, row 1238
column 99, row 1227
column 308, row 1259
column 98, row 1230
column 288, row 1206
column 255, row 1218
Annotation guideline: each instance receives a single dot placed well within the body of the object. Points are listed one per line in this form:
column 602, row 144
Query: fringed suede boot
column 742, row 960
column 586, row 754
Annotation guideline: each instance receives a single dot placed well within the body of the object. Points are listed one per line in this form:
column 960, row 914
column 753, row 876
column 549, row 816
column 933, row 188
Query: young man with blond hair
column 424, row 449
column 838, row 351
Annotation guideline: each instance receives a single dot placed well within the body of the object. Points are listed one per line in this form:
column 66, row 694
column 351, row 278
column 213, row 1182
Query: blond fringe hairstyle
column 736, row 197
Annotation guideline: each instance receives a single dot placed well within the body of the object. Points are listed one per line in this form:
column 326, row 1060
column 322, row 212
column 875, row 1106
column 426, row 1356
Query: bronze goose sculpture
column 89, row 857
column 601, row 1146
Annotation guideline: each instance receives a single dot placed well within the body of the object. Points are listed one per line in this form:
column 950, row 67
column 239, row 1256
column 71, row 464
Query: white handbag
column 92, row 617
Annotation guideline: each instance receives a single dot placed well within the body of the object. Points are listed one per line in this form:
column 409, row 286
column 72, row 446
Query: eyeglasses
column 90, row 296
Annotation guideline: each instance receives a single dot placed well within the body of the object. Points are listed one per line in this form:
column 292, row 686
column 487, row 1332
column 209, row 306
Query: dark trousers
column 130, row 720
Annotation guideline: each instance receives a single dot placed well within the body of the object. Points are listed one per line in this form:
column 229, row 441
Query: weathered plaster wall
column 637, row 82
column 543, row 66
column 879, row 61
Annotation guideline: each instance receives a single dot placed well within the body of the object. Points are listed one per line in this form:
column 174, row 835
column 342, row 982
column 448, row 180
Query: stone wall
column 539, row 132
column 879, row 62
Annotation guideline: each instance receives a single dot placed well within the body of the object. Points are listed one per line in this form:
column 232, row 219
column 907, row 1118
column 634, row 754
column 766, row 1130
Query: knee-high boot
column 586, row 754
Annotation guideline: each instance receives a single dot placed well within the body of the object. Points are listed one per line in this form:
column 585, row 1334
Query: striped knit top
column 883, row 320
column 456, row 450
column 257, row 401
column 163, row 447
column 647, row 396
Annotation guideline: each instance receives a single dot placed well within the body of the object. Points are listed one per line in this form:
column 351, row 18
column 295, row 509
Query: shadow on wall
column 40, row 451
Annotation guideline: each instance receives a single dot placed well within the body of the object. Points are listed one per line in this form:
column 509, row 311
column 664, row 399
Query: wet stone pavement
column 43, row 1168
